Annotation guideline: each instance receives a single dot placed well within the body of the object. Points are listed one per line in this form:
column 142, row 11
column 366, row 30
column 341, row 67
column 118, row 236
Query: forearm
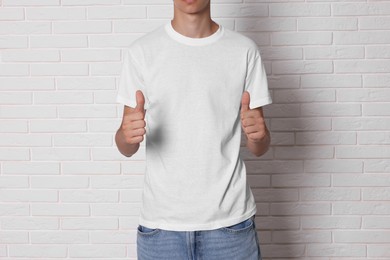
column 261, row 147
column 125, row 148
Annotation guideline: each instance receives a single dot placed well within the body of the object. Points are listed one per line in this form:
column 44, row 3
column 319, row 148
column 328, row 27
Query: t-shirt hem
column 260, row 102
column 198, row 227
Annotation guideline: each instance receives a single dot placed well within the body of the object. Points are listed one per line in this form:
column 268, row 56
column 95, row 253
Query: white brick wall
column 322, row 190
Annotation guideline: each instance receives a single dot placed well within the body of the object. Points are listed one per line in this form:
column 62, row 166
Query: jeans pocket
column 145, row 231
column 240, row 227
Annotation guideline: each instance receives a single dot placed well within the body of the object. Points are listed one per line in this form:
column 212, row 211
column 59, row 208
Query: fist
column 252, row 120
column 133, row 123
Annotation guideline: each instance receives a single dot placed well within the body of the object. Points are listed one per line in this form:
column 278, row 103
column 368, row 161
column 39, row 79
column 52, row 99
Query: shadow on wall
column 279, row 182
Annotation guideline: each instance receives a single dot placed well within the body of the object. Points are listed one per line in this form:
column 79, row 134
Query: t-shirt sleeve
column 256, row 83
column 131, row 80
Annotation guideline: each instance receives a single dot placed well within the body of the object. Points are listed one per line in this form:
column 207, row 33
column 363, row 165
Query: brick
column 300, row 208
column 300, row 180
column 31, row 168
column 301, row 38
column 103, row 126
column 31, row 2
column 60, row 209
column 283, row 82
column 29, row 196
column 86, row 111
column 378, row 250
column 58, row 126
column 116, row 12
column 282, row 139
column 363, row 95
column 90, row 168
column 376, row 193
column 89, row 196
column 336, row 250
column 82, row 140
column 377, row 165
column 56, row 13
column 15, row 98
column 361, row 37
column 376, row 222
column 333, row 166
column 361, row 208
column 97, row 251
column 37, row 251
column 374, row 23
column 331, row 222
column 82, row 27
column 359, row 66
column 334, row 52
column 329, row 194
column 63, row 97
column 227, row 10
column 130, row 195
column 301, row 237
column 91, row 223
column 25, row 28
column 308, row 152
column 300, row 124
column 331, row 81
column 303, row 96
column 13, row 126
column 30, row 55
column 301, row 67
column 286, row 166
column 299, row 9
column 133, row 167
column 90, row 2
column 11, row 14
column 31, row 112
column 275, row 195
column 11, row 69
column 13, row 42
column 377, row 138
column 60, row 69
column 110, row 209
column 58, row 41
column 60, row 154
column 135, row 25
column 376, row 109
column 117, row 236
column 361, row 236
column 280, row 223
column 364, row 152
column 333, row 109
column 361, row 180
column 11, row 83
column 353, row 9
column 91, row 55
column 14, row 182
column 266, row 24
column 59, row 237
column 112, row 41
column 85, row 83
column 327, row 24
column 281, row 53
column 282, row 251
column 29, row 223
column 14, row 154
column 105, row 68
column 355, row 124
column 59, row 182
column 377, row 52
column 117, row 182
column 317, row 138
column 18, row 209
column 105, row 97
column 282, row 110
column 23, row 140
column 376, row 80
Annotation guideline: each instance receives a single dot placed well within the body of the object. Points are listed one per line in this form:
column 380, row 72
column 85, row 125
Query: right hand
column 133, row 123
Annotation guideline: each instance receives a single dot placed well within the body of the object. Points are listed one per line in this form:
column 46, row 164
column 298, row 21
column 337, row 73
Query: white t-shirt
column 195, row 178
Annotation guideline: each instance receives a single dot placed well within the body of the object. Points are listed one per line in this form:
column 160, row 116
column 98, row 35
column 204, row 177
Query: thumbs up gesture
column 133, row 123
column 252, row 120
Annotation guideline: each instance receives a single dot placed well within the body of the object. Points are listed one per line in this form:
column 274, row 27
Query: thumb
column 139, row 96
column 245, row 101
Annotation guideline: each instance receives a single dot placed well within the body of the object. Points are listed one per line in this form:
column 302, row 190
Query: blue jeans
column 236, row 242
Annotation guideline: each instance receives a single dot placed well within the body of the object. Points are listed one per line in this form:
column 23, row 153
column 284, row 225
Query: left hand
column 252, row 120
